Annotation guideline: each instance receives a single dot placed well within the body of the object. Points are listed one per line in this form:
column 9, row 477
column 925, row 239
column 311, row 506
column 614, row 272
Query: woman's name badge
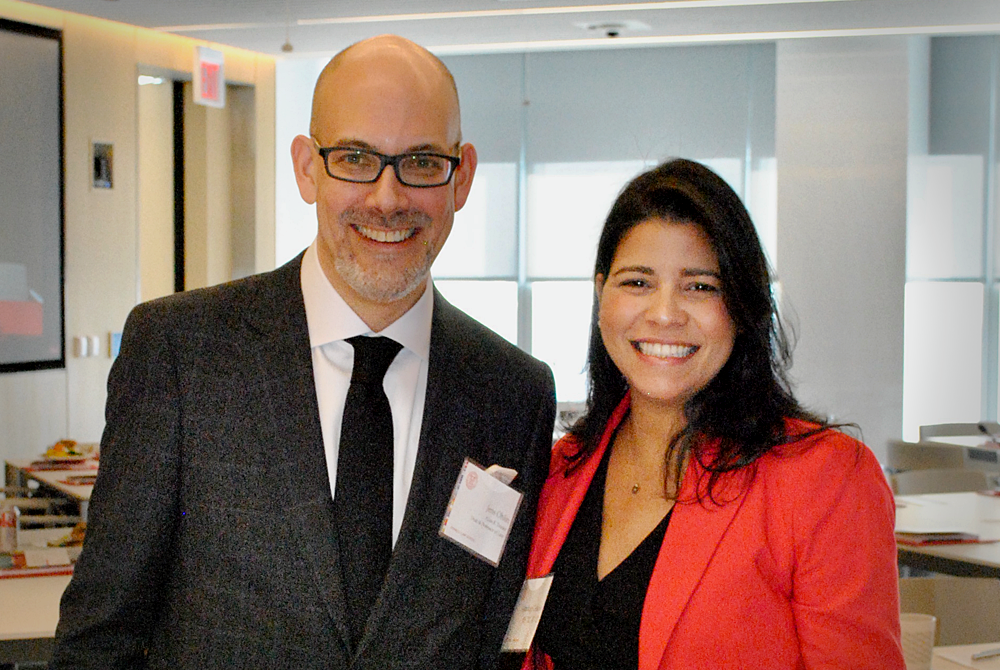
column 481, row 511
column 527, row 614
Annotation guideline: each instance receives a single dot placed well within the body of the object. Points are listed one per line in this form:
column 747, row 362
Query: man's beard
column 388, row 284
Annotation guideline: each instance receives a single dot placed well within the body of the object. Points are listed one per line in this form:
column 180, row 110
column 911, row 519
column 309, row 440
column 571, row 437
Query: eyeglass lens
column 415, row 169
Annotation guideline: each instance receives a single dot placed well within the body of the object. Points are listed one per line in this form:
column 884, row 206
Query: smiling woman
column 697, row 508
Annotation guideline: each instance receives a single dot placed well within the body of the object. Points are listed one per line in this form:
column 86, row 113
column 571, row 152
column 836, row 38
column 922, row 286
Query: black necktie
column 363, row 495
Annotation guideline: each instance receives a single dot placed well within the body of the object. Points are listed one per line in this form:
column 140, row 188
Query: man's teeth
column 386, row 235
column 665, row 350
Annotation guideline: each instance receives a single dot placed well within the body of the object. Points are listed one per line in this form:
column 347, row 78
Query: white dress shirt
column 331, row 321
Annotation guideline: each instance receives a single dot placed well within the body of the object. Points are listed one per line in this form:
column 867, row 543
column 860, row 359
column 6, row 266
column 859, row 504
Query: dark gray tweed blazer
column 211, row 541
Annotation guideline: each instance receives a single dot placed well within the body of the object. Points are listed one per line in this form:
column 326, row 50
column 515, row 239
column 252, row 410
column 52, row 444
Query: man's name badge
column 481, row 511
column 527, row 614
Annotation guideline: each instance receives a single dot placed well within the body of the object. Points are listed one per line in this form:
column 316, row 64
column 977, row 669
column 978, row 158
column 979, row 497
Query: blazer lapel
column 561, row 499
column 286, row 353
column 693, row 536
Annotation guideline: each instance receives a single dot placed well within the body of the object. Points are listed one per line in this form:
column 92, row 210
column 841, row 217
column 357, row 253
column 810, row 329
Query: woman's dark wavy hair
column 745, row 405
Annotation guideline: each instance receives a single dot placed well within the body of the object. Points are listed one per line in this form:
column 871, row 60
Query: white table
column 19, row 471
column 941, row 663
column 967, row 512
column 30, row 607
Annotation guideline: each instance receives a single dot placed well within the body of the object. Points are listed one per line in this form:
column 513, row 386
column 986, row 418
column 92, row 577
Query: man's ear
column 464, row 173
column 304, row 164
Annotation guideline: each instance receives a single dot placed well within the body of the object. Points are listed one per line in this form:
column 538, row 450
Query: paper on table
column 37, row 558
column 962, row 655
column 930, row 528
column 920, row 539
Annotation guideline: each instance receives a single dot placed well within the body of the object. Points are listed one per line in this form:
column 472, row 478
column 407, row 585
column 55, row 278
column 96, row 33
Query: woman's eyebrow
column 643, row 269
column 700, row 272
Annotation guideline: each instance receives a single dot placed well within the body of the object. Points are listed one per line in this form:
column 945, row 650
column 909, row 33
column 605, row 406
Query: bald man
column 216, row 536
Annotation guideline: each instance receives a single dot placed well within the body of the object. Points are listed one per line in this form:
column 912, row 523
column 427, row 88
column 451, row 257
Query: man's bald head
column 392, row 54
column 376, row 240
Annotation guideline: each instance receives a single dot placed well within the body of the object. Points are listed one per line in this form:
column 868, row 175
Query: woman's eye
column 637, row 282
column 704, row 287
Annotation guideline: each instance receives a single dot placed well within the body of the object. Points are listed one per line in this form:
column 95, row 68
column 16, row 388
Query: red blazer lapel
column 562, row 496
column 693, row 535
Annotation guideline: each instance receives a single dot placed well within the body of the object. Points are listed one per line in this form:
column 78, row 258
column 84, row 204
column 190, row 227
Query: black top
column 589, row 623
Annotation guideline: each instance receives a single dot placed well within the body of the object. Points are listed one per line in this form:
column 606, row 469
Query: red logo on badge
column 472, row 479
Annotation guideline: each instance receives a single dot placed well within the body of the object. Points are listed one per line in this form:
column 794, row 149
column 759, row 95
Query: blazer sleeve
column 845, row 596
column 111, row 604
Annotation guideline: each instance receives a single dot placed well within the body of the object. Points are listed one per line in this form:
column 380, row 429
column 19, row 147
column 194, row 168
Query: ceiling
column 314, row 28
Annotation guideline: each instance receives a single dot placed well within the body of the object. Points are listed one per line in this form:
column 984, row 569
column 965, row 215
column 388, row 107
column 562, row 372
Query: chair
column 939, row 480
column 901, row 455
column 967, row 608
column 39, row 512
column 959, row 430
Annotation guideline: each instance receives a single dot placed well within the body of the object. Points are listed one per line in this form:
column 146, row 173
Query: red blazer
column 798, row 570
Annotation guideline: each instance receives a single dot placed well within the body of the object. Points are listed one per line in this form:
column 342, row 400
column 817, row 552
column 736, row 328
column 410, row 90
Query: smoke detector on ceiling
column 615, row 28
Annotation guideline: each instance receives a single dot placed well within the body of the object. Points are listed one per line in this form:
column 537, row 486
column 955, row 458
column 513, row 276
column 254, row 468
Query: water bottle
column 8, row 527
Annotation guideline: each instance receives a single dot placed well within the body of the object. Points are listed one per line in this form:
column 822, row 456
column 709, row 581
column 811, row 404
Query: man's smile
column 379, row 235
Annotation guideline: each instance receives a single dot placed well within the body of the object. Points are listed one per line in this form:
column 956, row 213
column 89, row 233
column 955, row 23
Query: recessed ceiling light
column 613, row 28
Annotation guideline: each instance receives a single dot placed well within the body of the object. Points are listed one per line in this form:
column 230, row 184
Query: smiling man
column 254, row 508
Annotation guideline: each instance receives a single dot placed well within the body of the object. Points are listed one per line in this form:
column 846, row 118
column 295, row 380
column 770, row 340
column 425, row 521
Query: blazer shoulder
column 824, row 466
column 216, row 306
column 811, row 446
column 476, row 347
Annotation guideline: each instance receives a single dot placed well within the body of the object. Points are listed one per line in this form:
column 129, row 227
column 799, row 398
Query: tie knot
column 372, row 357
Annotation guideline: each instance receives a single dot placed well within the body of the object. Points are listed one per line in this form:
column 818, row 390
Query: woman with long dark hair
column 698, row 516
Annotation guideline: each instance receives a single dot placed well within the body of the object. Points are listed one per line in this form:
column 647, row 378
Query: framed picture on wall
column 31, row 198
column 103, row 164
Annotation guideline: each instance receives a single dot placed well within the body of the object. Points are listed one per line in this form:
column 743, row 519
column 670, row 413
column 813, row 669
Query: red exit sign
column 209, row 80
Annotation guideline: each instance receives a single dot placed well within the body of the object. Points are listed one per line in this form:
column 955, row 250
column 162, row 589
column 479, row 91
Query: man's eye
column 424, row 163
column 352, row 158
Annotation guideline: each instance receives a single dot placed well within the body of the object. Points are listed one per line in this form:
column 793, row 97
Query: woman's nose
column 667, row 307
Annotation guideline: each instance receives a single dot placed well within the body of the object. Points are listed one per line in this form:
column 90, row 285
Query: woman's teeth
column 665, row 350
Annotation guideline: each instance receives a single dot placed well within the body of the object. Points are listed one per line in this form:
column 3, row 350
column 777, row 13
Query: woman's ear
column 598, row 285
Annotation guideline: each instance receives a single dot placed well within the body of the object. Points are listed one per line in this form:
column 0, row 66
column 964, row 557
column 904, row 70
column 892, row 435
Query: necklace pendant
column 635, row 489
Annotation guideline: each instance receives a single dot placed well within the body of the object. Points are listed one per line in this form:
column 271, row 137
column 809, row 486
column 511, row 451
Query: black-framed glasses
column 419, row 169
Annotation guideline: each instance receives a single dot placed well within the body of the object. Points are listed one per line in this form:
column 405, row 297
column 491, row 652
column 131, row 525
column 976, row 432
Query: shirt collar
column 330, row 318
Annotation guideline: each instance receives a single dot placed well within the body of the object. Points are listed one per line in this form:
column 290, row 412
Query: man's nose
column 388, row 194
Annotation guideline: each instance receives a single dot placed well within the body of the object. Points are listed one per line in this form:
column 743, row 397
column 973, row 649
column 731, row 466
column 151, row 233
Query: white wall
column 295, row 221
column 841, row 145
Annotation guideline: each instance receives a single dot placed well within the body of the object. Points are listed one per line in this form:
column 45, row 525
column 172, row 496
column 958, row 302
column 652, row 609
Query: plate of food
column 65, row 451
